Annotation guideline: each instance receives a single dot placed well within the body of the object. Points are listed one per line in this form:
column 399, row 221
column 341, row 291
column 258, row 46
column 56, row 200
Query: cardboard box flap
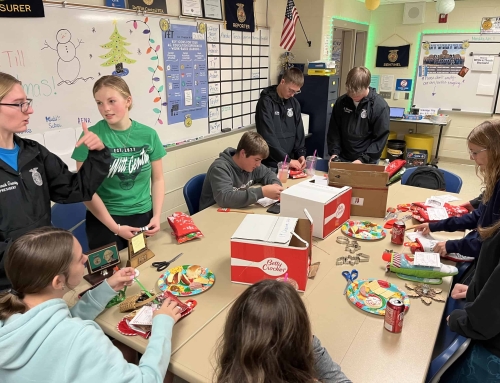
column 367, row 179
column 314, row 192
column 308, row 216
column 258, row 227
column 357, row 167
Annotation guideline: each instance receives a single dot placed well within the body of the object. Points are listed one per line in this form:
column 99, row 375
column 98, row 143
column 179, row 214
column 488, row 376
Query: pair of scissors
column 350, row 277
column 160, row 266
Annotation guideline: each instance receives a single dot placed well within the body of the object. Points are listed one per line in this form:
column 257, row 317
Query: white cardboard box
column 328, row 206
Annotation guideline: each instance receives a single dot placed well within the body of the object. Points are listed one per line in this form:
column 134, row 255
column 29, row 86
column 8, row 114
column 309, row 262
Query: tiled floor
column 470, row 189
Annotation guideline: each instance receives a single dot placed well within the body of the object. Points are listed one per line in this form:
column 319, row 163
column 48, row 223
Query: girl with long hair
column 484, row 148
column 267, row 339
column 131, row 197
column 43, row 340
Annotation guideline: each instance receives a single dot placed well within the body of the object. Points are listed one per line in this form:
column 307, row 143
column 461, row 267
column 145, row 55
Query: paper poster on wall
column 386, row 83
column 483, row 63
column 375, row 81
column 490, row 25
column 404, row 85
column 443, row 58
column 185, row 62
column 487, row 84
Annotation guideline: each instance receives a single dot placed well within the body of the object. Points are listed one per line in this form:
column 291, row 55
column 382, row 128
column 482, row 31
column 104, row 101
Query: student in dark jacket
column 359, row 125
column 484, row 148
column 279, row 121
column 31, row 176
column 480, row 318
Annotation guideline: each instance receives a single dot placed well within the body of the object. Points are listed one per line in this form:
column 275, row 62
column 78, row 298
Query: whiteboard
column 58, row 69
column 438, row 83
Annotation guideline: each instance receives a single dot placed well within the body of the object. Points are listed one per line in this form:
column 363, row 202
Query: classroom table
column 356, row 340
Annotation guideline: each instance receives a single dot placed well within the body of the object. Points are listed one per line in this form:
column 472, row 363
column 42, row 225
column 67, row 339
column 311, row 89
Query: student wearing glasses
column 278, row 120
column 359, row 125
column 31, row 176
column 484, row 149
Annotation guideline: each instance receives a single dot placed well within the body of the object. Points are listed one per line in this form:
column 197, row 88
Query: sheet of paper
column 437, row 213
column 487, row 84
column 483, row 63
column 138, row 243
column 446, row 198
column 144, row 317
column 428, row 111
column 427, row 259
column 265, row 202
column 413, row 235
column 386, row 82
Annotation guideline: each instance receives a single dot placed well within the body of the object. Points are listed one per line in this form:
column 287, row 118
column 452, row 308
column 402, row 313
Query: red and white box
column 328, row 206
column 272, row 247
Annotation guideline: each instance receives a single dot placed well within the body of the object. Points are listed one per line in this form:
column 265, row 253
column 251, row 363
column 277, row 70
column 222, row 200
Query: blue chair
column 453, row 182
column 322, row 165
column 192, row 193
column 448, row 344
column 71, row 217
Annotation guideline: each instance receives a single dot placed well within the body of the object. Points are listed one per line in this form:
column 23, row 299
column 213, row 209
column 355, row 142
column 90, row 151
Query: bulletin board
column 59, row 57
column 459, row 72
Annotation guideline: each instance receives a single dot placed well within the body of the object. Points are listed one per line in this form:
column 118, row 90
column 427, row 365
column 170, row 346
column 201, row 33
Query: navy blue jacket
column 484, row 216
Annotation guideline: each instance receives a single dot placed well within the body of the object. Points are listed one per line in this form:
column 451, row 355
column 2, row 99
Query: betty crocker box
column 271, row 247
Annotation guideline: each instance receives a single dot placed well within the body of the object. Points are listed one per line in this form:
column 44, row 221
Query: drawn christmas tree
column 116, row 55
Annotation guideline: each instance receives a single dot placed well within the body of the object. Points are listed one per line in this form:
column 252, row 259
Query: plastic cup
column 283, row 172
column 290, row 281
column 311, row 165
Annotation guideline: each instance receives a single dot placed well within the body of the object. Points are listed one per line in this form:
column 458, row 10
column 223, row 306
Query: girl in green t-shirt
column 131, row 197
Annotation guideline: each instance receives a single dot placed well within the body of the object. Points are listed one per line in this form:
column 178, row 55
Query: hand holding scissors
column 350, row 277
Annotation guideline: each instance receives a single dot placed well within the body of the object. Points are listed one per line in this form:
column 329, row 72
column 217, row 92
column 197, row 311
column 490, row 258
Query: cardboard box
column 369, row 187
column 328, row 206
column 270, row 247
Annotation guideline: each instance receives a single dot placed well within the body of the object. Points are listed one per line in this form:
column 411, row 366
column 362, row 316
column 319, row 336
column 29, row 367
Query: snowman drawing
column 68, row 65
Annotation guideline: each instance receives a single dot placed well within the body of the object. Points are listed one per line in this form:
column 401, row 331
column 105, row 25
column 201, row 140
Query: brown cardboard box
column 369, row 187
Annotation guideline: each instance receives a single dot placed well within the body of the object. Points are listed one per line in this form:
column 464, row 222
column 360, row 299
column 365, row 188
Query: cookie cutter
column 352, row 260
column 343, row 240
column 353, row 247
column 363, row 257
column 341, row 261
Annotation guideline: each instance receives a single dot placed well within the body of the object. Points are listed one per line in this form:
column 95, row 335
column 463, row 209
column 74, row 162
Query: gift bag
column 183, row 227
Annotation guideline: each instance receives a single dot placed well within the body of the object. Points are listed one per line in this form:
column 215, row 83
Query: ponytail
column 11, row 302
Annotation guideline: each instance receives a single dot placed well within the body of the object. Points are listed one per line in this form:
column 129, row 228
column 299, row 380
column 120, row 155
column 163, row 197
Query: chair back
column 71, row 217
column 192, row 193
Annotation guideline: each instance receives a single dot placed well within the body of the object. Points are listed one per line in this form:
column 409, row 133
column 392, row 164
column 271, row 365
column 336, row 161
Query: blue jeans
column 475, row 365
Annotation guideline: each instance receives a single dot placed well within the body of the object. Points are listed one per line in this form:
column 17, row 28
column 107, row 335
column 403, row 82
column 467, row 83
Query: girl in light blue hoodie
column 42, row 340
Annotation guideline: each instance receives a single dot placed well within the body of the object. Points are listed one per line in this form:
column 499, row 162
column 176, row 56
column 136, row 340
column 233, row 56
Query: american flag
column 288, row 33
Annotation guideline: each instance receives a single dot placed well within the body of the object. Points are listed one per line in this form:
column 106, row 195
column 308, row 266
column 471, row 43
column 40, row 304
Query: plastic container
column 283, row 171
column 420, row 141
column 311, row 165
column 396, row 150
column 392, row 136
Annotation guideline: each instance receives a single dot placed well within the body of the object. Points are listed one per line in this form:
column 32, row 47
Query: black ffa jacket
column 480, row 318
column 359, row 133
column 280, row 123
column 42, row 177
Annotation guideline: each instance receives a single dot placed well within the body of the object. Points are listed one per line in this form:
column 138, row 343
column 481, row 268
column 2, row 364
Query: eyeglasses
column 474, row 154
column 24, row 106
column 294, row 91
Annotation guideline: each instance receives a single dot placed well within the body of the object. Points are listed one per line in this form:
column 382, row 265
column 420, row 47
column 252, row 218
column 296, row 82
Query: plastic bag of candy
column 183, row 227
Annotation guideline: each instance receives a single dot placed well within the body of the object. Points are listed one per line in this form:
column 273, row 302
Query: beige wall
column 387, row 20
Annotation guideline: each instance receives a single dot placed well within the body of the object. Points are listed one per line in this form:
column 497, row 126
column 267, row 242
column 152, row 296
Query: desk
column 426, row 121
column 355, row 340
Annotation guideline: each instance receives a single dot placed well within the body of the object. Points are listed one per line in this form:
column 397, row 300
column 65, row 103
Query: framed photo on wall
column 212, row 9
column 191, row 8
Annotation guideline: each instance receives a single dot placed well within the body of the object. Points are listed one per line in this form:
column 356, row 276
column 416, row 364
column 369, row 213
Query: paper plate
column 373, row 302
column 186, row 280
column 364, row 230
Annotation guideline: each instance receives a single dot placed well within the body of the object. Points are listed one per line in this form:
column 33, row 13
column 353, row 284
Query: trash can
column 396, row 149
column 392, row 136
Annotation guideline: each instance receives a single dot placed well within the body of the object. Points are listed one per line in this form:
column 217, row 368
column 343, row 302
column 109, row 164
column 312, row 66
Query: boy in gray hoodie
column 229, row 178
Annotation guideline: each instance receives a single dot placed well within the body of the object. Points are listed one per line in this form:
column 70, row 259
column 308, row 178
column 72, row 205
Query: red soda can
column 394, row 315
column 398, row 233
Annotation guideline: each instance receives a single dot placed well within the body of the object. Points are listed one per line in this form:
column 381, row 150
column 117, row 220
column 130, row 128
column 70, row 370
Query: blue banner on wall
column 185, row 64
column 403, row 84
column 388, row 57
column 239, row 15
